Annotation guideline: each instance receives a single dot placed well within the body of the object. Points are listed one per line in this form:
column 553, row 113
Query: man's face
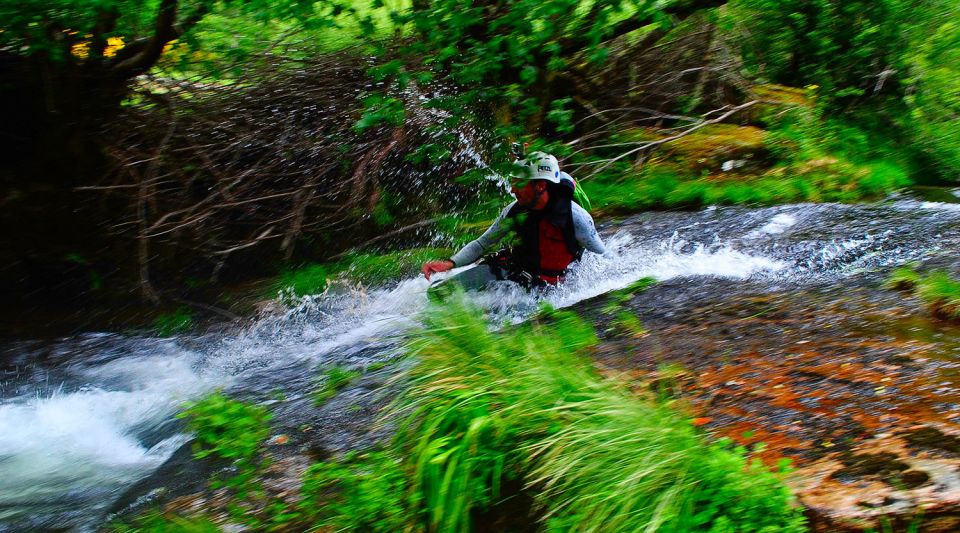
column 529, row 193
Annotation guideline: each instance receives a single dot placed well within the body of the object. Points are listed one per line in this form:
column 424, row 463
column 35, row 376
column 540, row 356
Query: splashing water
column 74, row 435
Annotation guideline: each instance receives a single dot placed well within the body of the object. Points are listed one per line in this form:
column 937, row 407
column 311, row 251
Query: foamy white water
column 940, row 206
column 59, row 446
column 778, row 224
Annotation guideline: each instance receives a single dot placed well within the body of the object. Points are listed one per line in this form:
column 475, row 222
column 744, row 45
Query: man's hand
column 432, row 267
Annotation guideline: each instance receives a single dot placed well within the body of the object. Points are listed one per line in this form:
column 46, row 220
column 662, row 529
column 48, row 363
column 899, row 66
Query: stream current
column 84, row 418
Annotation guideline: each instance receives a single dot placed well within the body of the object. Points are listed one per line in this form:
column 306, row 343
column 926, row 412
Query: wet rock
column 933, row 439
column 180, row 474
column 912, row 479
column 883, row 464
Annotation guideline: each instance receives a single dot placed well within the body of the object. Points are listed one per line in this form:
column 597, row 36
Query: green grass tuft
column 170, row 324
column 158, row 522
column 336, row 378
column 903, row 278
column 484, row 408
column 937, row 289
column 942, row 294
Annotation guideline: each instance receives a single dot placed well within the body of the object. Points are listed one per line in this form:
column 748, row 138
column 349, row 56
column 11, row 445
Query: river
column 82, row 419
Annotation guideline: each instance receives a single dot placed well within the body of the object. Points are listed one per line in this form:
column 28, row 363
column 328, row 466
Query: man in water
column 544, row 231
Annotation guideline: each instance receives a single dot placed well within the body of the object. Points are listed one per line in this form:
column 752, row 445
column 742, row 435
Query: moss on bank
column 788, row 153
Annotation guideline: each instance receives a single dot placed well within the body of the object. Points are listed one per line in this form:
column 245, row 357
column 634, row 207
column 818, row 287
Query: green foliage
column 96, row 280
column 311, row 279
column 366, row 268
column 157, row 522
column 485, row 406
column 335, row 379
column 629, row 324
column 855, row 53
column 903, row 278
column 379, row 110
column 360, row 492
column 942, row 294
column 935, row 99
column 618, row 298
column 507, row 59
column 169, row 324
column 78, row 30
column 840, row 46
column 232, row 431
column 735, row 494
column 815, row 159
column 226, row 428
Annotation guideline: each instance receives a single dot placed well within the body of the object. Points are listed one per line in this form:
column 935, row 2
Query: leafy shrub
column 840, row 46
column 226, row 428
column 361, row 492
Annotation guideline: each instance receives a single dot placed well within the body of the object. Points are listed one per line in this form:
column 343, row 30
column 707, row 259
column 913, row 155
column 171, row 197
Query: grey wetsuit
column 480, row 275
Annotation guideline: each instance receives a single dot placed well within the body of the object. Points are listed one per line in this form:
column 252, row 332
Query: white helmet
column 541, row 166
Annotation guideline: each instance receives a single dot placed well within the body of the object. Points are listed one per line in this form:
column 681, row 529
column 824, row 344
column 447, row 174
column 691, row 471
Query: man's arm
column 585, row 231
column 473, row 250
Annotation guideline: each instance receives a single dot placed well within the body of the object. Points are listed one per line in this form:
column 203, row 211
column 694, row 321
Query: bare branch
column 651, row 144
column 388, row 235
column 142, row 54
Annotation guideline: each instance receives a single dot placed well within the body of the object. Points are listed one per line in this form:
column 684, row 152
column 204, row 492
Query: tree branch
column 383, row 237
column 163, row 33
column 142, row 54
column 106, row 22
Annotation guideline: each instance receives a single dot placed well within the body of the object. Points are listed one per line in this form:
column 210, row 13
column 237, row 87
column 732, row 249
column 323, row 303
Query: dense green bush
column 935, row 99
column 840, row 46
column 889, row 66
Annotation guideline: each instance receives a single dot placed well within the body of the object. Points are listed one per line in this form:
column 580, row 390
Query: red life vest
column 547, row 241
